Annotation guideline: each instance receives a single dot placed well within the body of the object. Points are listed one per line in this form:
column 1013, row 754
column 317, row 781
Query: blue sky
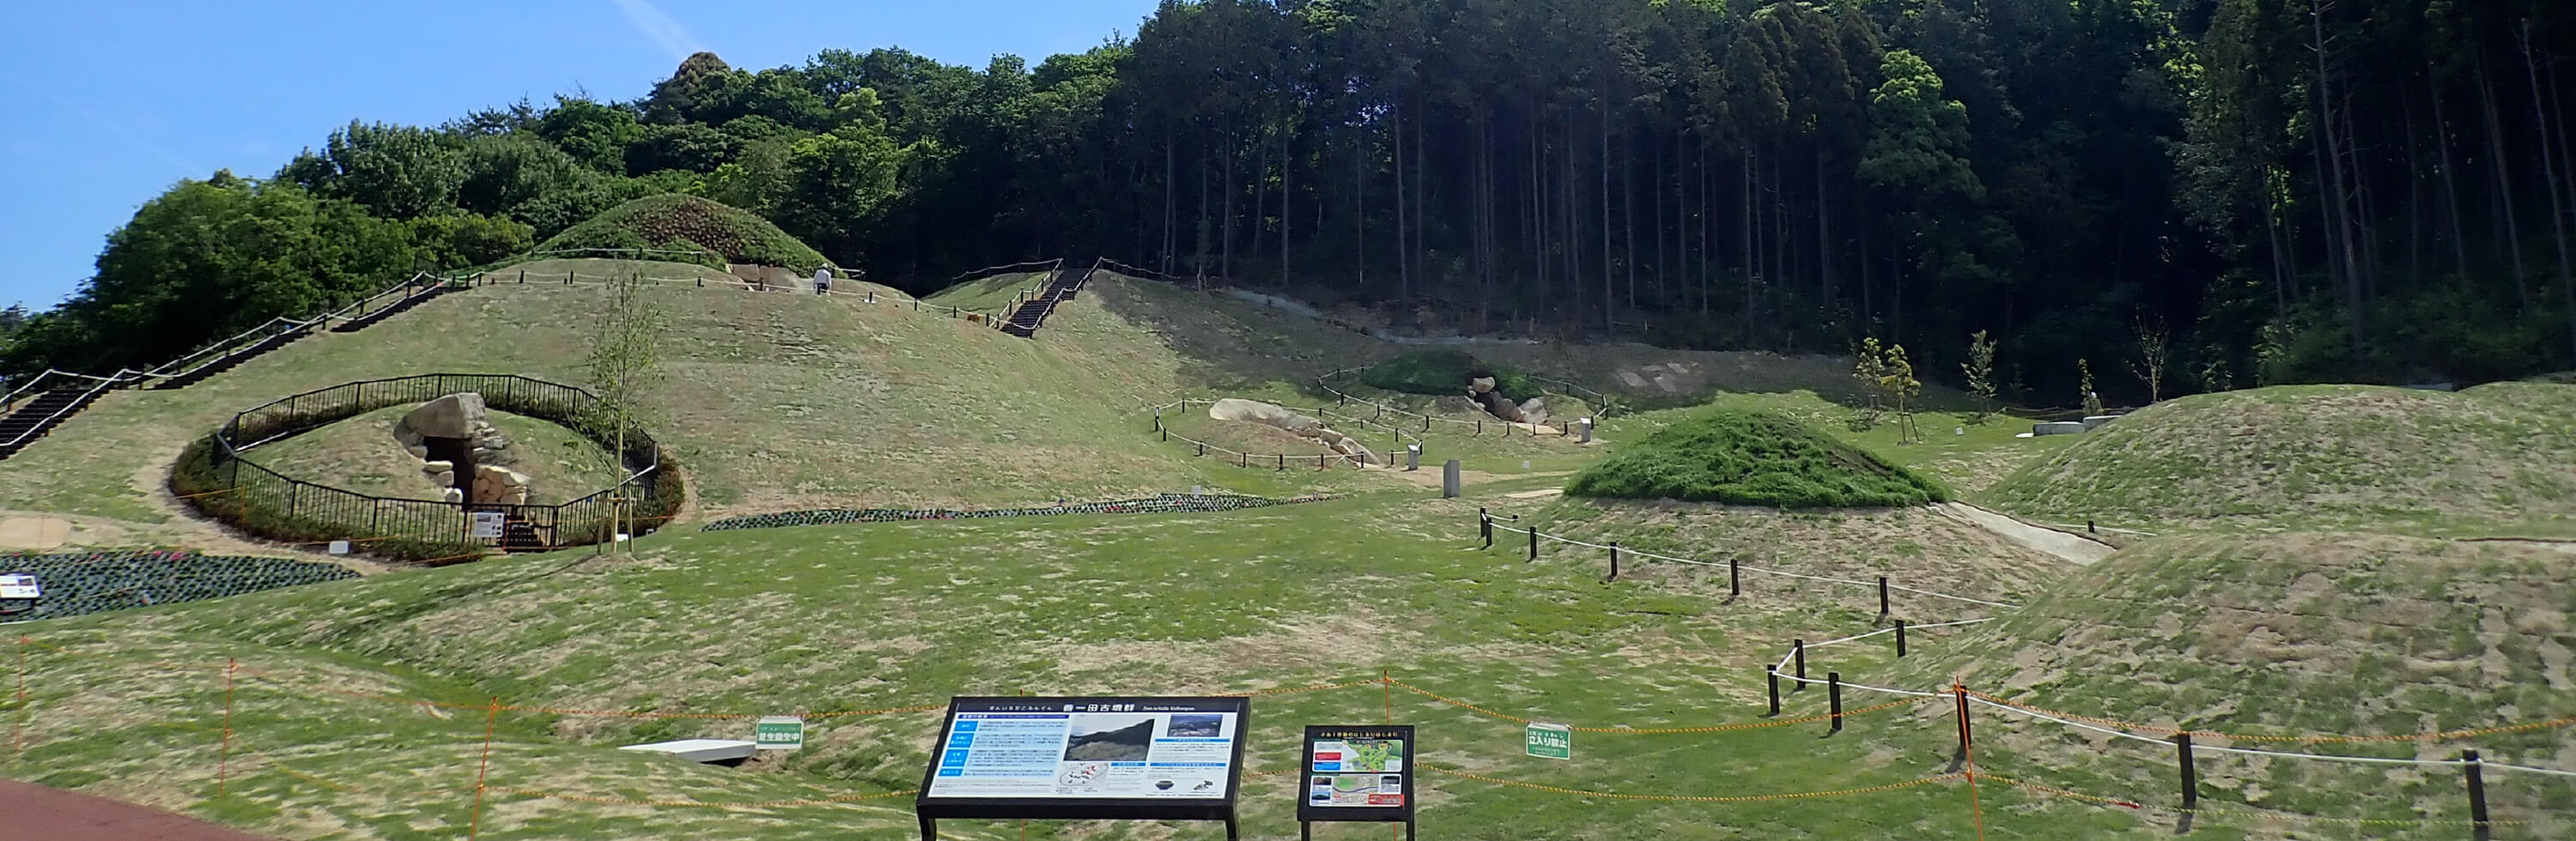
column 106, row 103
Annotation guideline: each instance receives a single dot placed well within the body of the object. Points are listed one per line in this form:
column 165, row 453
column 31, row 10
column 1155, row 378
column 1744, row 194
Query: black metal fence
column 232, row 484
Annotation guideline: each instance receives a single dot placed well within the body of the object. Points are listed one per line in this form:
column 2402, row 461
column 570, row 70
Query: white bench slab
column 700, row 750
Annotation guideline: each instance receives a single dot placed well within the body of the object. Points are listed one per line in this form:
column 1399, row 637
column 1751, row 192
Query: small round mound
column 2283, row 635
column 1445, row 373
column 1750, row 457
column 2318, row 455
column 676, row 221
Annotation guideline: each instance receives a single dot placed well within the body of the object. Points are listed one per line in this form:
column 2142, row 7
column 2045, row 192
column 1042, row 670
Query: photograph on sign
column 1088, row 749
column 1358, row 773
column 20, row 587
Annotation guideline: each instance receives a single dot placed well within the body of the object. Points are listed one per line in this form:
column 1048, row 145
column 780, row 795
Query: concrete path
column 34, row 811
column 2073, row 549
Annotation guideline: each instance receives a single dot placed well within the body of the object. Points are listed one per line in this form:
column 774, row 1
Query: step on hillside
column 1031, row 315
column 34, row 417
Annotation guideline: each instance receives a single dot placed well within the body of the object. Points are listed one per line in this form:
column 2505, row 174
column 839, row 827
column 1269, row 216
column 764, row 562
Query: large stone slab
column 452, row 416
column 2057, row 428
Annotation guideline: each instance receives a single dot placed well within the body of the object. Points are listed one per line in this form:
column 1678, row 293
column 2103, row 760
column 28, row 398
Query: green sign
column 1551, row 741
column 779, row 732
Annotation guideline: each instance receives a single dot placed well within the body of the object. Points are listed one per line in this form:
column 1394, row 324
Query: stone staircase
column 1032, row 314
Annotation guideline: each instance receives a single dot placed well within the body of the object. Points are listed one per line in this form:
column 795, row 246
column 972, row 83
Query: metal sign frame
column 1308, row 813
column 931, row 809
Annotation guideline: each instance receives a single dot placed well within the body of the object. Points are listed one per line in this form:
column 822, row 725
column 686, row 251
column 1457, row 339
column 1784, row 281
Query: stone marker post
column 1412, row 457
column 1587, row 430
column 1449, row 480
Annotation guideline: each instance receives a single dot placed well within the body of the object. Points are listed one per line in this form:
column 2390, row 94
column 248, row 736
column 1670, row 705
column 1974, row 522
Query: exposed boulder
column 1480, row 385
column 1495, row 404
column 453, row 416
column 497, row 484
column 1534, row 410
column 1272, row 414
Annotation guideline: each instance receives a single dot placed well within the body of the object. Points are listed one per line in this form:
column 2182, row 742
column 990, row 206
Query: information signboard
column 1107, row 758
column 20, row 587
column 1358, row 772
column 487, row 525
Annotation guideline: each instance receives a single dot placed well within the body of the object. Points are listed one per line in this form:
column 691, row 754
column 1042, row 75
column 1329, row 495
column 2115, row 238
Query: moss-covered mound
column 1445, row 373
column 2494, row 456
column 2279, row 636
column 676, row 221
column 1749, row 457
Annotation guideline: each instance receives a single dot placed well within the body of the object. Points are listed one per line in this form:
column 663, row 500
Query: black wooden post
column 1283, row 461
column 1734, row 577
column 1614, row 560
column 1882, row 597
column 2478, row 825
column 523, row 277
column 1485, row 527
column 2190, row 776
column 1834, row 700
column 1961, row 693
column 1167, row 434
column 1533, row 532
column 1798, row 650
column 1900, row 638
column 1772, row 673
column 1203, row 450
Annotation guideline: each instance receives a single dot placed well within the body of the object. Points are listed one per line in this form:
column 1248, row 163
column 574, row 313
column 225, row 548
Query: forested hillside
column 2263, row 190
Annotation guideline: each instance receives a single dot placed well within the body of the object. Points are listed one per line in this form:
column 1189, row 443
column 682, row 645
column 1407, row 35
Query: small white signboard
column 19, row 587
column 339, row 547
column 487, row 525
column 779, row 732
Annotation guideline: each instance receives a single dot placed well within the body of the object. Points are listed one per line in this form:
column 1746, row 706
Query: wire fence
column 1400, row 438
column 223, row 477
column 1792, row 667
column 248, row 745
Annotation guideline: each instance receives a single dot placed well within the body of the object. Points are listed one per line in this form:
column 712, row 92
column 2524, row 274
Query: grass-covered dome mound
column 676, row 221
column 1750, row 457
column 2285, row 635
column 1445, row 373
column 2321, row 456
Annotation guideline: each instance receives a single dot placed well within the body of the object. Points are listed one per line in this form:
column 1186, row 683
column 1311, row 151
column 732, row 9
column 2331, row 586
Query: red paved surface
column 36, row 813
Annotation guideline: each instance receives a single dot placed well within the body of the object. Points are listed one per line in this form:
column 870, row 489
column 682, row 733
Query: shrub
column 1445, row 373
column 673, row 220
column 1747, row 457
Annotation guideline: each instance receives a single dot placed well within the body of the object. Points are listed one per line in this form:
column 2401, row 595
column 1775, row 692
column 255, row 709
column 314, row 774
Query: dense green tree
column 397, row 171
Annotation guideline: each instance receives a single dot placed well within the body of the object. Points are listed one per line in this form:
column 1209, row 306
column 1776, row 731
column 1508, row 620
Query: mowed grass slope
column 2493, row 459
column 871, row 617
column 774, row 401
column 2290, row 635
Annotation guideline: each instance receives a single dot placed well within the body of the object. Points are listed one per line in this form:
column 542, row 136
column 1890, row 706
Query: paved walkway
column 2074, row 549
column 34, row 811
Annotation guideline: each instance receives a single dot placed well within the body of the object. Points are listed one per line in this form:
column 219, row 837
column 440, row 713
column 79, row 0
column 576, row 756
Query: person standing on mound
column 823, row 281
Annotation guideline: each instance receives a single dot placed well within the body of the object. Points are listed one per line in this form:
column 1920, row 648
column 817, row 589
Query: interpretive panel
column 1359, row 772
column 1076, row 758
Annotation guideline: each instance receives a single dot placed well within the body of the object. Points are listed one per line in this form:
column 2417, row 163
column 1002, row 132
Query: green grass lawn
column 360, row 454
column 991, row 294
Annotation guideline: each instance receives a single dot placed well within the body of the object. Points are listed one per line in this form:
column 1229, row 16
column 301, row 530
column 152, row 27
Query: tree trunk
column 2338, row 221
column 1628, row 220
column 1260, row 195
column 1663, row 270
column 1824, row 240
column 1287, row 197
column 2450, row 184
column 1748, row 272
column 1403, row 259
column 2414, row 197
column 1359, row 205
column 1225, row 246
column 1198, row 261
column 2549, row 174
column 2504, row 183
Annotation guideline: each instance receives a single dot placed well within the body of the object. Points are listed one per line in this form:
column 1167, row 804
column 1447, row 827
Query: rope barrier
column 1686, row 798
column 2282, row 816
column 1632, row 552
column 2445, row 735
column 1651, row 731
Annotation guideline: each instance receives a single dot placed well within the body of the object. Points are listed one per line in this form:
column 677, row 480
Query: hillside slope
column 2488, row 459
column 2296, row 634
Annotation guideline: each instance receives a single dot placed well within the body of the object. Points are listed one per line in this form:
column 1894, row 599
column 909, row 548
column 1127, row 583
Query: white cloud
column 659, row 26
column 190, row 169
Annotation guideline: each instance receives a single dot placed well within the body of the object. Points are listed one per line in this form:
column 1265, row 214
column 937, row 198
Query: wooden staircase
column 33, row 418
column 1032, row 314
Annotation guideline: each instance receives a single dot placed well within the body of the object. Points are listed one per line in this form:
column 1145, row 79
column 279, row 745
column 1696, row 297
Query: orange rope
column 1642, row 731
column 2283, row 816
column 2407, row 737
column 1685, row 798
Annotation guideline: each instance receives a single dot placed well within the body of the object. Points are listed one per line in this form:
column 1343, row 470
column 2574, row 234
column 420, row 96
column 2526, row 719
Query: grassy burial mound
column 2294, row 634
column 1750, row 457
column 360, row 454
column 675, row 221
column 2490, row 458
column 990, row 293
column 1445, row 373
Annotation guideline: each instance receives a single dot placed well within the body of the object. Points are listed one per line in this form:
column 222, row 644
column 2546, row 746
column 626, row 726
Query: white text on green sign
column 779, row 732
column 1551, row 741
